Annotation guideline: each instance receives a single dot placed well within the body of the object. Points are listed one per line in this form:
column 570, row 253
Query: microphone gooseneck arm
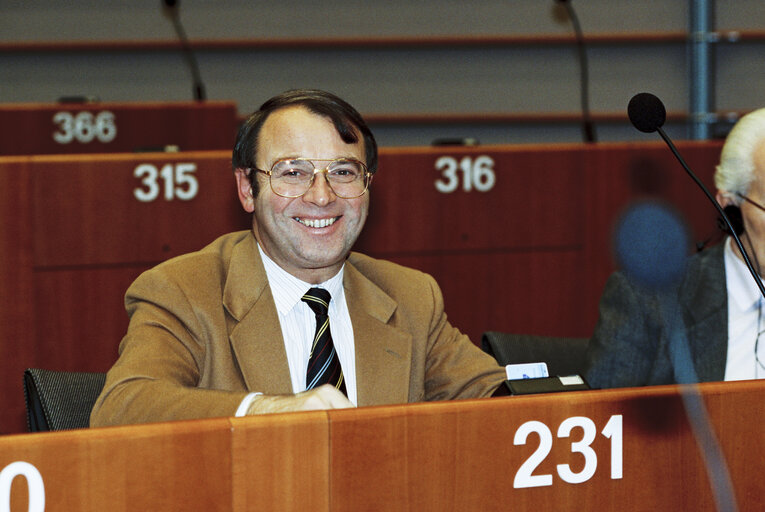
column 719, row 208
column 647, row 114
column 587, row 126
column 199, row 88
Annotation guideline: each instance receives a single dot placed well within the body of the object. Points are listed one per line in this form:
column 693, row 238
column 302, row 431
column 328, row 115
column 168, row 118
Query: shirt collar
column 288, row 290
column 741, row 287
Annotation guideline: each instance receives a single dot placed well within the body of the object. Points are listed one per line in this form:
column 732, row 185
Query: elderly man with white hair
column 721, row 305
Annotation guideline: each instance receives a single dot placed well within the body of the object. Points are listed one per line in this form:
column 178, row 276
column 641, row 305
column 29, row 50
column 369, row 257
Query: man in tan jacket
column 228, row 330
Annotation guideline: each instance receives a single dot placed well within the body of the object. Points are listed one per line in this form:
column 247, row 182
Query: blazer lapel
column 256, row 336
column 383, row 352
column 704, row 299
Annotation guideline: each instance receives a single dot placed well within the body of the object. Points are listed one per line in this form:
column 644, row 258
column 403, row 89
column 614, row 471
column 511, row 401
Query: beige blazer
column 204, row 331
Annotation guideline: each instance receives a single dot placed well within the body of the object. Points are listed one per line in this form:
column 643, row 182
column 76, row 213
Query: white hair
column 735, row 172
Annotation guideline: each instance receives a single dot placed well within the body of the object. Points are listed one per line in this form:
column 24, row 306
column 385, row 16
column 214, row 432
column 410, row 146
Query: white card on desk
column 526, row 371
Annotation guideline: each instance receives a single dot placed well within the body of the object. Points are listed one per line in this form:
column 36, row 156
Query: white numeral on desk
column 173, row 180
column 583, row 447
column 525, row 476
column 613, row 431
column 84, row 127
column 34, row 484
column 476, row 174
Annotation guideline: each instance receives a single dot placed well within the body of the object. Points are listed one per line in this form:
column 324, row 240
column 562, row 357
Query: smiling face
column 308, row 236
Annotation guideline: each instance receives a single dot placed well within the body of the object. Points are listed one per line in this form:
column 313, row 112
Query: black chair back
column 60, row 400
column 564, row 356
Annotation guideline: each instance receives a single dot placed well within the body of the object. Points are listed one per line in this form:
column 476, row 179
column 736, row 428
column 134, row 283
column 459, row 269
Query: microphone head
column 652, row 244
column 646, row 112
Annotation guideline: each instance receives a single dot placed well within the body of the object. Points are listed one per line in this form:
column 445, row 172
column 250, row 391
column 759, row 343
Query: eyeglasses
column 293, row 177
column 753, row 203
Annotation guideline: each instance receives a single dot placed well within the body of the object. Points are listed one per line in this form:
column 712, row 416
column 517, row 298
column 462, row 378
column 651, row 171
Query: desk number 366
column 525, row 476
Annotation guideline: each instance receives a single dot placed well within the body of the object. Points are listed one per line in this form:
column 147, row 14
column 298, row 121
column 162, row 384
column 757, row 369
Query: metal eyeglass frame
column 366, row 175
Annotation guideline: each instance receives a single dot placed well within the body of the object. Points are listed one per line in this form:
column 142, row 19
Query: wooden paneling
column 409, row 215
column 63, row 128
column 87, row 212
column 460, row 455
column 281, row 462
column 530, row 291
column 84, row 319
column 178, row 466
column 74, row 237
column 18, row 333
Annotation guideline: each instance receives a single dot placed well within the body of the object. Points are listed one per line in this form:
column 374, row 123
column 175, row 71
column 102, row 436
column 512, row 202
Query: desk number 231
column 524, row 477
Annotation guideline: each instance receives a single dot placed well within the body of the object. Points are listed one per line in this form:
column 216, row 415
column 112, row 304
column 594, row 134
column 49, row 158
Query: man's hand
column 321, row 398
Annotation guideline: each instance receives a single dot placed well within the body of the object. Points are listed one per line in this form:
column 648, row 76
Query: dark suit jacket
column 204, row 331
column 630, row 344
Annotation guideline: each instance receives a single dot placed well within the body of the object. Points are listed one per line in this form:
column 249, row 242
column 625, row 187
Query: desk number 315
column 524, row 477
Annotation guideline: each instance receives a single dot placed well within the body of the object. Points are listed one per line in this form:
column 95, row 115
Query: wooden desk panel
column 281, row 462
column 462, row 456
column 95, row 216
column 523, row 291
column 85, row 318
column 17, row 289
column 64, row 128
column 529, row 205
column 74, row 237
column 621, row 174
column 170, row 466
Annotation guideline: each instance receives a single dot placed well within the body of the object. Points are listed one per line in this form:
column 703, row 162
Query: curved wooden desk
column 462, row 455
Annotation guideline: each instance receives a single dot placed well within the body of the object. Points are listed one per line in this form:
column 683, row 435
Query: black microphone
column 170, row 8
column 647, row 114
column 588, row 128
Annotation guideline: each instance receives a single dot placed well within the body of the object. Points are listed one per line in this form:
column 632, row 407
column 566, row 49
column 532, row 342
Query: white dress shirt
column 298, row 323
column 744, row 313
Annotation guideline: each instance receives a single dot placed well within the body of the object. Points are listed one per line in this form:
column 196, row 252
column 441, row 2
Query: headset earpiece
column 734, row 216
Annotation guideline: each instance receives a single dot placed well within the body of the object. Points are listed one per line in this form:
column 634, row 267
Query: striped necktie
column 323, row 364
